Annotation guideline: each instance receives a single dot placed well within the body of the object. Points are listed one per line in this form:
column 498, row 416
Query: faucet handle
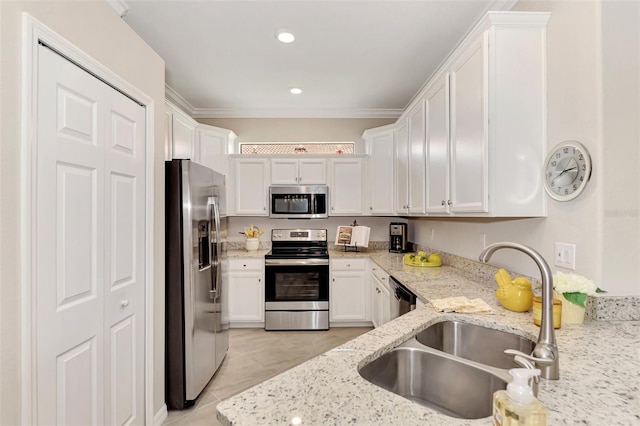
column 521, row 356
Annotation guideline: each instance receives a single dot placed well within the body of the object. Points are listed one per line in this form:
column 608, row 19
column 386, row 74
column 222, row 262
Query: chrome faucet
column 545, row 354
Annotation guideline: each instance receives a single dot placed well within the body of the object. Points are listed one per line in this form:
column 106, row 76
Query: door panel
column 76, row 235
column 123, row 385
column 76, row 372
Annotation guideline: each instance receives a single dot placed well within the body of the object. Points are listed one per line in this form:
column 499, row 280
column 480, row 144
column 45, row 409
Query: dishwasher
column 402, row 299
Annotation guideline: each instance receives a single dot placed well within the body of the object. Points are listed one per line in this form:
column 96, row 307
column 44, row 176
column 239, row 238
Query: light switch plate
column 565, row 255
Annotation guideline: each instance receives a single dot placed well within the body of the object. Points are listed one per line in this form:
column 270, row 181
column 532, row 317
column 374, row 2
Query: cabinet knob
column 348, row 265
column 443, row 203
column 450, row 202
column 124, row 303
column 333, row 279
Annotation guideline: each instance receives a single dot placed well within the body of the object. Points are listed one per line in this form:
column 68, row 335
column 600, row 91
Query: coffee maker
column 398, row 237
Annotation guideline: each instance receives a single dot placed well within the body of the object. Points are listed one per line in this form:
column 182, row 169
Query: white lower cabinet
column 246, row 292
column 349, row 293
column 380, row 297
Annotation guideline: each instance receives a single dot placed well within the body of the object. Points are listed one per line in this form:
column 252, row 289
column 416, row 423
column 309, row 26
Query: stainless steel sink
column 475, row 343
column 438, row 381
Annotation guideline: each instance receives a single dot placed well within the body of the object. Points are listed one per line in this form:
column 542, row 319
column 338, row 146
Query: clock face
column 567, row 170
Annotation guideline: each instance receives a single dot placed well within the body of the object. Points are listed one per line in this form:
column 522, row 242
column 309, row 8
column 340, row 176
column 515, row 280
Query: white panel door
column 124, row 257
column 89, row 250
column 438, row 148
column 469, row 124
column 417, row 185
column 402, row 169
column 345, row 192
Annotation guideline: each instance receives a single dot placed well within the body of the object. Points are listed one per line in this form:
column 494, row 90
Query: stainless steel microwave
column 298, row 201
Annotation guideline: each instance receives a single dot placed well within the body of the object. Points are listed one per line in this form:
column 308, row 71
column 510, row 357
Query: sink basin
column 441, row 383
column 475, row 343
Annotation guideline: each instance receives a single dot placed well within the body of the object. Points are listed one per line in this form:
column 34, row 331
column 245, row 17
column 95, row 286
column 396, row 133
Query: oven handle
column 295, row 262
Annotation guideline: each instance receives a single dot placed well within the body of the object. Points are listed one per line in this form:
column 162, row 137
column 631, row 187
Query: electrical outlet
column 483, row 241
column 565, row 255
column 433, row 234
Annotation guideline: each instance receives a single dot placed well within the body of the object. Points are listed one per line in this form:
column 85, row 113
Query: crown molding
column 194, row 112
column 120, row 6
column 296, row 113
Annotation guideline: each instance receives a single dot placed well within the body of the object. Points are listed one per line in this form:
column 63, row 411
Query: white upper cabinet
column 212, row 147
column 181, row 134
column 484, row 121
column 416, row 124
column 437, row 144
column 250, row 187
column 308, row 171
column 186, row 139
column 496, row 123
column 380, row 171
column 345, row 186
column 402, row 168
column 468, row 126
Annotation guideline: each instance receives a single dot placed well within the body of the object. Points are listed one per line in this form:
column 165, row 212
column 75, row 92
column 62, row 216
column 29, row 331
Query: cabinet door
column 211, row 148
column 348, row 296
column 381, row 180
column 416, row 128
column 246, row 296
column 385, row 304
column 345, row 193
column 183, row 137
column 469, row 127
column 284, row 171
column 312, row 171
column 402, row 169
column 438, row 147
column 251, row 183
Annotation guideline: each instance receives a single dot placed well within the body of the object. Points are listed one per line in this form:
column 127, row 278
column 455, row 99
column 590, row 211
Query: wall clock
column 567, row 170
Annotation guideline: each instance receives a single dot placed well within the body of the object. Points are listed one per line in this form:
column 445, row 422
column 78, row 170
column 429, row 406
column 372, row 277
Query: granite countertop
column 599, row 365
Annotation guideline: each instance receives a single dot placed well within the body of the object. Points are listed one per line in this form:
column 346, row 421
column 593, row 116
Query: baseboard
column 160, row 416
column 351, row 324
column 246, row 324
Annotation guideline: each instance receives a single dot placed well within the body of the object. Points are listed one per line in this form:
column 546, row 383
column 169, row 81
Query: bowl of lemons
column 422, row 259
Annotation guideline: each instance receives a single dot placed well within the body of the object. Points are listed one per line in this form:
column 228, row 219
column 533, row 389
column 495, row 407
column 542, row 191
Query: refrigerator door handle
column 216, row 277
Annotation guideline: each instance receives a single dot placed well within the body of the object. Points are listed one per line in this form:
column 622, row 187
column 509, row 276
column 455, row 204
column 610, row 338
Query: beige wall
column 299, row 129
column 96, row 29
column 593, row 97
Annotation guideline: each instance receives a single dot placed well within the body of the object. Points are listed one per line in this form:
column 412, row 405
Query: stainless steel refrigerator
column 197, row 326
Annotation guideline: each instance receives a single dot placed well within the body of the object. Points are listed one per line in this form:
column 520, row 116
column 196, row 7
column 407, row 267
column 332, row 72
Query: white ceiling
column 352, row 58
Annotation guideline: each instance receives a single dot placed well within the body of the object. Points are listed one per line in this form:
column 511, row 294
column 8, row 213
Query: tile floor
column 254, row 356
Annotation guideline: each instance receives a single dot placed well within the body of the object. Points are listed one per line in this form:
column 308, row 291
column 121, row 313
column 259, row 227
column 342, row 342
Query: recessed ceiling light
column 285, row 36
column 295, row 90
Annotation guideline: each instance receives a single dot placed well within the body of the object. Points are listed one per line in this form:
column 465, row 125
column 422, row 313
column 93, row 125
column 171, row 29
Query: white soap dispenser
column 517, row 406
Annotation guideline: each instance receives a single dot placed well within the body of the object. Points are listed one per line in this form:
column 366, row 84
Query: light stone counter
column 599, row 365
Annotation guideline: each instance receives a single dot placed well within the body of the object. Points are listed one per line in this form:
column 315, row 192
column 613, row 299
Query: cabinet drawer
column 246, row 264
column 349, row 264
column 379, row 273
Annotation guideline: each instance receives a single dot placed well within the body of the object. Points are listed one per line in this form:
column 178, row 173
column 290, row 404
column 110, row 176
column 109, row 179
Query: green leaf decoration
column 576, row 298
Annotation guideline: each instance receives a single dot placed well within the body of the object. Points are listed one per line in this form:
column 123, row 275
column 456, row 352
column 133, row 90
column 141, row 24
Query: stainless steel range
column 297, row 280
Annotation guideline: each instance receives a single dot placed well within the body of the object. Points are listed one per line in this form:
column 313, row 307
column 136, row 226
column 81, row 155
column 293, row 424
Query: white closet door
column 89, row 250
column 124, row 258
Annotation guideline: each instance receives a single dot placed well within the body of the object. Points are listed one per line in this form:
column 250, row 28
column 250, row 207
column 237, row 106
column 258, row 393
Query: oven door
column 297, row 284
